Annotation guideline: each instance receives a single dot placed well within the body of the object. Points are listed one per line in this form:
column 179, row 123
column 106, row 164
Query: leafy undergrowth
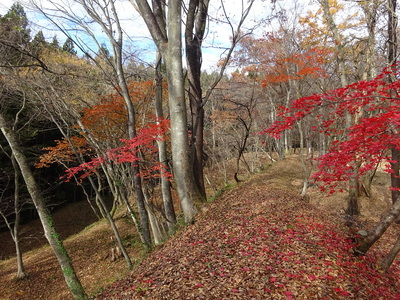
column 258, row 242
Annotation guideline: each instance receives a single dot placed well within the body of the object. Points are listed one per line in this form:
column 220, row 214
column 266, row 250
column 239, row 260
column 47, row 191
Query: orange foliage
column 273, row 60
column 106, row 121
column 109, row 118
column 297, row 66
column 63, row 152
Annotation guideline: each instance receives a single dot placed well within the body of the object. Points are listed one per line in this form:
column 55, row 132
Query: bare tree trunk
column 337, row 39
column 162, row 153
column 392, row 59
column 20, row 265
column 353, row 208
column 116, row 234
column 241, row 147
column 112, row 28
column 183, row 171
column 386, row 220
column 394, row 213
column 170, row 47
column 394, row 177
column 194, row 34
column 242, row 139
column 157, row 229
column 14, row 229
column 352, row 202
column 51, row 234
column 395, row 164
column 169, row 44
column 306, row 170
column 390, row 257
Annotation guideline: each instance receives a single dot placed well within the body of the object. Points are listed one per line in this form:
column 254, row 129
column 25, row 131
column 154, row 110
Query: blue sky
column 217, row 39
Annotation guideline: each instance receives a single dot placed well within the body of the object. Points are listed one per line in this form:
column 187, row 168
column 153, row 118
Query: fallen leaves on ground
column 258, row 242
column 89, row 250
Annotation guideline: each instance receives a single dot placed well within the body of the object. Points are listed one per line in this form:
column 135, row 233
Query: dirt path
column 259, row 242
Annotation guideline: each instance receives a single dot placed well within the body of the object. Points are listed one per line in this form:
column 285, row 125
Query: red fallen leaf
column 273, row 279
column 312, row 277
column 341, row 292
column 314, row 239
column 199, row 285
column 289, row 295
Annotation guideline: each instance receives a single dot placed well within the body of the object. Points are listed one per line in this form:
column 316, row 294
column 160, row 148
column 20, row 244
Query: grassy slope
column 260, row 240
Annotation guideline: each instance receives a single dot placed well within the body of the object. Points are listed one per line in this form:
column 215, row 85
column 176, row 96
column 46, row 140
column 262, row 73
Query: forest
column 86, row 118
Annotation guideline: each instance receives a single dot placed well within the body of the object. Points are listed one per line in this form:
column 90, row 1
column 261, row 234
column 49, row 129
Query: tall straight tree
column 162, row 149
column 352, row 202
column 50, row 233
column 167, row 37
column 170, row 215
column 104, row 13
column 194, row 34
column 395, row 162
column 392, row 61
column 195, row 28
column 16, row 55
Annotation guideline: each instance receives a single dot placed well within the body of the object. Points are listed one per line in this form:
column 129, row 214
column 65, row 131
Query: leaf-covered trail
column 257, row 242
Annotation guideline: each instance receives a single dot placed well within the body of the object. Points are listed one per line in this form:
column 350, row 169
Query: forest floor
column 259, row 240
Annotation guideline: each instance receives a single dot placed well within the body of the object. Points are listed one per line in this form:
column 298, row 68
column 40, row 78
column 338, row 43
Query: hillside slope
column 258, row 241
column 261, row 242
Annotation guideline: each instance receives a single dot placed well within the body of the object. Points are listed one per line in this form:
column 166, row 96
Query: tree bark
column 170, row 47
column 159, row 233
column 51, row 234
column 390, row 257
column 14, row 230
column 352, row 202
column 395, row 176
column 183, row 171
column 338, row 41
column 392, row 59
column 20, row 264
column 395, row 164
column 113, row 30
column 386, row 220
column 194, row 34
column 162, row 152
column 303, row 161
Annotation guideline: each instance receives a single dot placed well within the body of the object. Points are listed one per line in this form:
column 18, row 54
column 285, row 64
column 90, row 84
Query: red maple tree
column 368, row 141
column 132, row 151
